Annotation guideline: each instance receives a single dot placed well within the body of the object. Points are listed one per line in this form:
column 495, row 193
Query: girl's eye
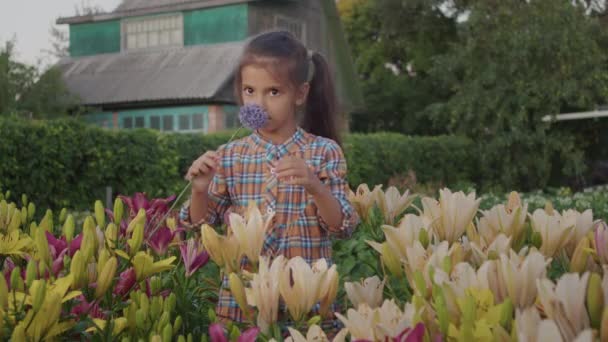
column 274, row 92
column 248, row 91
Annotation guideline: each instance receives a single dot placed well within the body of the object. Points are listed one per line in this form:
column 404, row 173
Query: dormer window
column 153, row 32
column 294, row 26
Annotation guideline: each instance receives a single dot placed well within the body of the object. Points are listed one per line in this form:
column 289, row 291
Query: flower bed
column 423, row 268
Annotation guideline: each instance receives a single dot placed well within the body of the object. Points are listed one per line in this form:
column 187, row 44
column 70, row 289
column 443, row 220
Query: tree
column 513, row 63
column 392, row 61
column 26, row 91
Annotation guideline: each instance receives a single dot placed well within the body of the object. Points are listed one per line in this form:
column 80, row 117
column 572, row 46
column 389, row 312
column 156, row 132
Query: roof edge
column 191, row 5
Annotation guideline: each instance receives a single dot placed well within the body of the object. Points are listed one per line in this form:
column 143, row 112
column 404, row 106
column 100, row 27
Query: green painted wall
column 94, row 38
column 216, row 25
column 173, row 114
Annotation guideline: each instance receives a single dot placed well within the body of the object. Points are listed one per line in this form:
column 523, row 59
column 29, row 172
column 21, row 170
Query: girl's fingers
column 289, row 173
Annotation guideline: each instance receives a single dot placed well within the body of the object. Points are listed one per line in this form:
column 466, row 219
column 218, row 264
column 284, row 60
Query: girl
column 294, row 171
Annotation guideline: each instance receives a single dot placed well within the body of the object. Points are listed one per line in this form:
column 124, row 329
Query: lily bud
column 105, row 278
column 100, row 215
column 580, row 256
column 238, row 292
column 68, row 228
column 118, row 211
column 595, row 300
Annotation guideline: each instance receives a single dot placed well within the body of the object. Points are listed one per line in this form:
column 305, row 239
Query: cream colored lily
column 392, row 203
column 224, row 251
column 250, row 231
column 363, row 200
column 264, row 291
column 451, row 215
column 508, row 219
column 391, row 321
column 299, row 285
column 328, row 290
column 582, row 223
column 360, row 323
column 554, row 231
column 314, row 334
column 483, row 252
column 564, row 303
column 403, row 236
column 514, row 276
column 368, row 292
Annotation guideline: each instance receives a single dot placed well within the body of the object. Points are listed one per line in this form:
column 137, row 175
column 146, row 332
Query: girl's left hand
column 295, row 171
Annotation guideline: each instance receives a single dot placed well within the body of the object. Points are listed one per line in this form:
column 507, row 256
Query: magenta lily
column 160, row 240
column 193, row 255
column 126, row 281
column 216, row 334
column 59, row 248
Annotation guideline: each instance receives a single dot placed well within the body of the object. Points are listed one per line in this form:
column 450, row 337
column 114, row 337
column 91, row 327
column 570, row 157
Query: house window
column 168, row 123
column 292, row 25
column 143, row 33
column 184, row 122
column 140, row 122
column 127, row 122
column 155, row 122
column 197, row 121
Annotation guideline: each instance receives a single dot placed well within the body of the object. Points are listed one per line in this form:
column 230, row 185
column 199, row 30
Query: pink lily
column 193, row 255
column 216, row 334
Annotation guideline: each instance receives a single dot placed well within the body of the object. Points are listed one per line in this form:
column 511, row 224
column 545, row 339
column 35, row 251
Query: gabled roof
column 198, row 73
column 130, row 8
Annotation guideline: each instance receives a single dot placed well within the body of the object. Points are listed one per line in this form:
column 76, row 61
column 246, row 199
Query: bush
column 65, row 163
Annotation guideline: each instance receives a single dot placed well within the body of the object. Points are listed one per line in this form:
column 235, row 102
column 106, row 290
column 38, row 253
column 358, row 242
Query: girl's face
column 278, row 97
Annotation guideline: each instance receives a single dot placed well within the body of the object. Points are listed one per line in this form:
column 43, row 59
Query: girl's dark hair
column 285, row 56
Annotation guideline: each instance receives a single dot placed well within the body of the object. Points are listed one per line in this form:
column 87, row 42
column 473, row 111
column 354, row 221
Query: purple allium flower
column 253, row 116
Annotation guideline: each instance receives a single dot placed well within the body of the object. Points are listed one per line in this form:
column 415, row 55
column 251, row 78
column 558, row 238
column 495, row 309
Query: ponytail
column 321, row 117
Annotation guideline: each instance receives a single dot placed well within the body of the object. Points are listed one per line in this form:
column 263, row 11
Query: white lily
column 564, row 303
column 368, row 292
column 403, row 236
column 451, row 215
column 263, row 292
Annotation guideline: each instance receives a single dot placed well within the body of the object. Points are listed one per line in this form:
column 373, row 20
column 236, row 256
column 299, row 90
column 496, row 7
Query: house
column 168, row 64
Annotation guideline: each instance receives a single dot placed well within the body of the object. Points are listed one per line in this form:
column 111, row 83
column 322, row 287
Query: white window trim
column 125, row 22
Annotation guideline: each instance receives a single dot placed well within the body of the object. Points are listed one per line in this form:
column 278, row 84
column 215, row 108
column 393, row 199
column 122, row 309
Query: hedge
column 66, row 163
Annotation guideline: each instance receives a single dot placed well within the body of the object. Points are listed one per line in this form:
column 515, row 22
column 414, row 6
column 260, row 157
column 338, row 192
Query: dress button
column 273, row 171
column 270, row 210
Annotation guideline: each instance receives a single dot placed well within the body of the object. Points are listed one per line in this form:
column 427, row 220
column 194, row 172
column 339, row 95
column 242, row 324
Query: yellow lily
column 14, row 243
column 368, row 292
column 144, row 265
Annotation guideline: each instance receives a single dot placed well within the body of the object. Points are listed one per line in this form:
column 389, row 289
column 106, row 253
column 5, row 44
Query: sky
column 30, row 21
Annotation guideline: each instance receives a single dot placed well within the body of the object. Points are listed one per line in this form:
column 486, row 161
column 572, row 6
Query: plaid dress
column 246, row 173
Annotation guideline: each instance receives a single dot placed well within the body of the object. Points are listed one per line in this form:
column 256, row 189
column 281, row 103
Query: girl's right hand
column 202, row 170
